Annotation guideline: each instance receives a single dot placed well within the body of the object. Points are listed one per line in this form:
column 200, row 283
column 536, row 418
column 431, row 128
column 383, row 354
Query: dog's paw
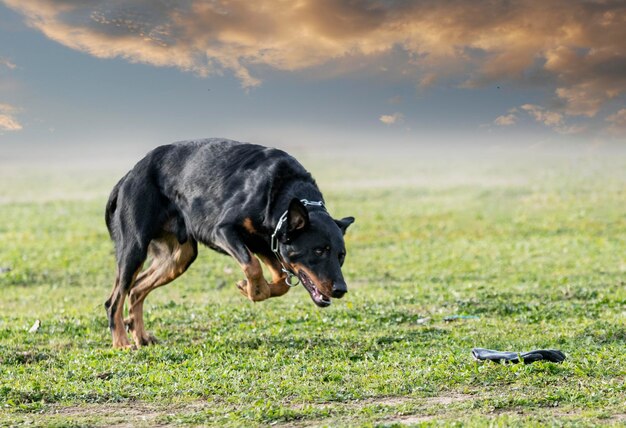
column 257, row 292
column 123, row 343
column 146, row 339
column 242, row 286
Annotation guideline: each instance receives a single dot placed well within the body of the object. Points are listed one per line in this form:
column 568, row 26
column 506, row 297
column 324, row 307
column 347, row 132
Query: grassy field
column 532, row 246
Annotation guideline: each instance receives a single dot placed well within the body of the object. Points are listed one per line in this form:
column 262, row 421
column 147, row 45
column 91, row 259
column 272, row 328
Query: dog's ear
column 297, row 216
column 344, row 223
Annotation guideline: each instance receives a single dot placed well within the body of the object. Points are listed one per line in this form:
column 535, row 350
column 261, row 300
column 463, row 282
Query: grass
column 535, row 248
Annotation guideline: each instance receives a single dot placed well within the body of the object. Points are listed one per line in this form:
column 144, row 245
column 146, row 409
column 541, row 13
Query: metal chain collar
column 274, row 242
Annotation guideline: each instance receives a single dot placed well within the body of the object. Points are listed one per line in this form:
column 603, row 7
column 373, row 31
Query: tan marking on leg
column 278, row 286
column 145, row 273
column 133, row 325
column 120, row 339
column 254, row 287
column 170, row 260
column 140, row 278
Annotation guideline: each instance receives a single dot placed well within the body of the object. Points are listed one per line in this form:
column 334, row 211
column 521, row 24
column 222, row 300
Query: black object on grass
column 552, row 355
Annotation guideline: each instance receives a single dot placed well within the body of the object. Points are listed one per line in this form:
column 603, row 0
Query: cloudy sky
column 307, row 71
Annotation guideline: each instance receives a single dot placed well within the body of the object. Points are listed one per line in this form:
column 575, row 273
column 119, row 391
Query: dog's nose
column 339, row 289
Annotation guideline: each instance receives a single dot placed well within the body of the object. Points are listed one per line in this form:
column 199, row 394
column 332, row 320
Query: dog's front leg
column 254, row 287
column 278, row 286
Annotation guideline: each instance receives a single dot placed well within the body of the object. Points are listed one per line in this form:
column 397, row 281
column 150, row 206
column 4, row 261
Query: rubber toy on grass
column 552, row 355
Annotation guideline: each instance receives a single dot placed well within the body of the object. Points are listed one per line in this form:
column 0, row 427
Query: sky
column 111, row 73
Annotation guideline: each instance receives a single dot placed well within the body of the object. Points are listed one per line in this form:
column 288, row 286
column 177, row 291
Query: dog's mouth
column 319, row 298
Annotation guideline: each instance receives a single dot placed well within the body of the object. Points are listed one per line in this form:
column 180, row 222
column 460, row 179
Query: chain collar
column 274, row 242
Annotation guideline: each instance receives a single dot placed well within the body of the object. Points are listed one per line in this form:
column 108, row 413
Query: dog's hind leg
column 170, row 259
column 154, row 265
column 134, row 217
column 127, row 272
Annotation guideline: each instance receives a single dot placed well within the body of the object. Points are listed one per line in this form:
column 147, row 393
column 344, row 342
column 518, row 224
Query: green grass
column 535, row 248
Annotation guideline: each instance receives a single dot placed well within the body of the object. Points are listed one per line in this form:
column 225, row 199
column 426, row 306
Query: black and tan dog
column 240, row 199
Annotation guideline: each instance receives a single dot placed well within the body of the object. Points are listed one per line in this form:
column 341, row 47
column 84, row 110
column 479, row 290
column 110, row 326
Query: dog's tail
column 112, row 204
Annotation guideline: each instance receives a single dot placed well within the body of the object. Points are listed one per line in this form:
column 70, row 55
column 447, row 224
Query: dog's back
column 200, row 179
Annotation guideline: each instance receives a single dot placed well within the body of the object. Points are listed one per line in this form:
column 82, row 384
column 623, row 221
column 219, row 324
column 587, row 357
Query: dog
column 244, row 200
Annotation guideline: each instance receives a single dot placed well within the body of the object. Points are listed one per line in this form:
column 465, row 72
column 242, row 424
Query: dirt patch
column 127, row 409
column 428, row 403
column 122, row 415
column 410, row 420
column 447, row 399
column 355, row 404
column 442, row 416
column 383, row 401
column 391, row 401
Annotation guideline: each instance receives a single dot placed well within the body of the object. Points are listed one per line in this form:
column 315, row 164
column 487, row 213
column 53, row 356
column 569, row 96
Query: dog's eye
column 342, row 256
column 321, row 251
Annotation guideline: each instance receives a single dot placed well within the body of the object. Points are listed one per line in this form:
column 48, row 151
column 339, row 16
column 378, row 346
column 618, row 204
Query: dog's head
column 312, row 246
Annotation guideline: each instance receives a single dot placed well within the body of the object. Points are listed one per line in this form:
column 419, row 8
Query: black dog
column 239, row 199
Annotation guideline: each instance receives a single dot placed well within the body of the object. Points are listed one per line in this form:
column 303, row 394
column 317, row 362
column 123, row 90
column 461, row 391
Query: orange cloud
column 552, row 119
column 576, row 48
column 505, row 120
column 392, row 119
column 8, row 122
